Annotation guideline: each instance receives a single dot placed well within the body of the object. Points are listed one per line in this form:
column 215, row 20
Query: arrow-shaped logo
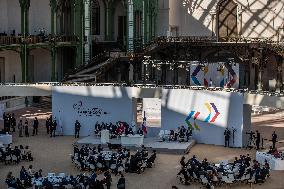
column 234, row 75
column 194, row 115
column 217, row 113
column 194, row 74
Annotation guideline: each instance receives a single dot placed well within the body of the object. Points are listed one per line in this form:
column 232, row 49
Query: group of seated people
column 29, row 178
column 181, row 134
column 117, row 129
column 98, row 159
column 15, row 155
column 243, row 169
column 25, row 180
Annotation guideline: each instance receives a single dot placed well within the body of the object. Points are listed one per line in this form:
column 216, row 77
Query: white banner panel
column 208, row 113
column 89, row 105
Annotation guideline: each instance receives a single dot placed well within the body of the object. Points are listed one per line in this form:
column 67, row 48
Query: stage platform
column 149, row 143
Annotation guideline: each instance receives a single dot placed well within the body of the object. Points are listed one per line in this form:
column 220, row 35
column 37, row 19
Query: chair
column 121, row 169
column 113, row 166
column 251, row 180
column 203, row 179
column 99, row 165
column 14, row 158
column 77, row 163
column 194, row 176
column 228, row 179
column 50, row 174
column 61, row 175
column 98, row 135
column 224, row 162
column 92, row 167
column 161, row 133
column 8, row 158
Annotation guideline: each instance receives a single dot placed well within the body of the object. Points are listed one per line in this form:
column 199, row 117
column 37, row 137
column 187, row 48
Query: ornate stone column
column 279, row 81
column 25, row 5
column 53, row 8
column 79, row 12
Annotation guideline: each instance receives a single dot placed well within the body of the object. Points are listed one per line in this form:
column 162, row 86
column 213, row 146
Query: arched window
column 227, row 19
column 95, row 17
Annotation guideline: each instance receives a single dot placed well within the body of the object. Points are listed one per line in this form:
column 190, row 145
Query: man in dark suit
column 13, row 122
column 227, row 134
column 47, row 125
column 53, row 128
column 35, row 127
column 77, row 129
column 257, row 142
column 274, row 139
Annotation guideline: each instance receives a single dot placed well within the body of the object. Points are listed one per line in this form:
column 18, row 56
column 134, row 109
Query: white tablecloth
column 104, row 136
column 6, row 139
column 274, row 163
column 132, row 140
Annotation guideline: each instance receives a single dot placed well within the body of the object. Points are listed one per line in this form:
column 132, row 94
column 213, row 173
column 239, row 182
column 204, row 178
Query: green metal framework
column 81, row 41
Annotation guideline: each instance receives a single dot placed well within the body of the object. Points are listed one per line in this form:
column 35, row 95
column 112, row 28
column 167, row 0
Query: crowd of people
column 10, row 125
column 24, row 126
column 99, row 159
column 10, row 155
column 51, row 126
column 9, row 122
column 30, row 178
column 243, row 169
column 118, row 129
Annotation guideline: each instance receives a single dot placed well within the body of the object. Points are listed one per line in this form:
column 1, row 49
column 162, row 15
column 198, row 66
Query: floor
column 53, row 155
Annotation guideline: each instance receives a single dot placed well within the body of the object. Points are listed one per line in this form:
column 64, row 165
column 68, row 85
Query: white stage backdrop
column 207, row 112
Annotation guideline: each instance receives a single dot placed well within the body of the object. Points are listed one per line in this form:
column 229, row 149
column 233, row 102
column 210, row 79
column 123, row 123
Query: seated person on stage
column 172, row 135
column 182, row 133
column 188, row 134
column 128, row 131
column 177, row 134
column 139, row 131
column 120, row 129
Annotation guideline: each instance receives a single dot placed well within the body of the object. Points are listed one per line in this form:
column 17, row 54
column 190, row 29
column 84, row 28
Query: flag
column 144, row 127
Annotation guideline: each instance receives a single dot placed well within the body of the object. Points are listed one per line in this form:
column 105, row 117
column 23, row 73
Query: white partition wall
column 89, row 105
column 209, row 113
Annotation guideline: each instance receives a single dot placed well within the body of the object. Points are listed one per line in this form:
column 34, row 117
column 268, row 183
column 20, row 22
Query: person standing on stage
column 227, row 134
column 35, row 127
column 77, row 129
column 274, row 139
column 257, row 142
